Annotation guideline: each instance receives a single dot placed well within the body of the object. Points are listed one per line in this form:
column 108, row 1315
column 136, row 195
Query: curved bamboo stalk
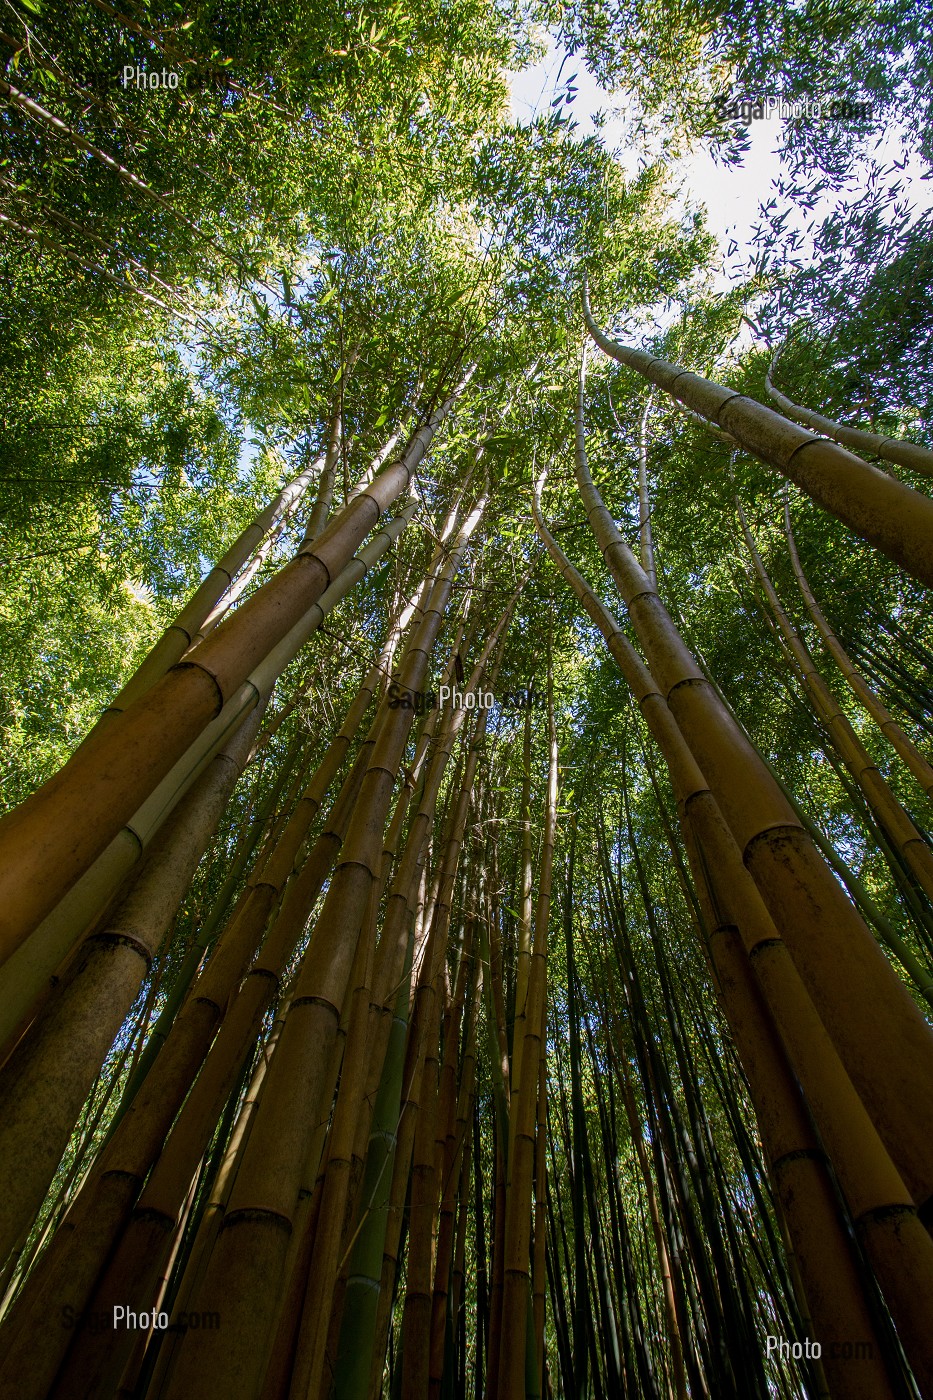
column 896, row 450
column 851, row 981
column 885, row 512
column 885, row 1216
column 906, row 749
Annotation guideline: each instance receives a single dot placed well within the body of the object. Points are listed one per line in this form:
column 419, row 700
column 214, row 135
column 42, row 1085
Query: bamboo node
column 800, row 1154
column 257, row 1215
column 124, row 940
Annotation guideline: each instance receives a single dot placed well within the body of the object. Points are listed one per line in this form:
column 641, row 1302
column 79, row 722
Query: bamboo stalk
column 892, row 816
column 355, row 1344
column 399, row 910
column 207, row 931
column 308, row 1376
column 325, row 495
column 45, row 1082
column 885, row 512
column 896, row 450
column 644, row 497
column 517, row 1296
column 523, row 956
column 906, row 749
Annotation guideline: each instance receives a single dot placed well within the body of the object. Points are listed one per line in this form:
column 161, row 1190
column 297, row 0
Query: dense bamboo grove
column 466, row 883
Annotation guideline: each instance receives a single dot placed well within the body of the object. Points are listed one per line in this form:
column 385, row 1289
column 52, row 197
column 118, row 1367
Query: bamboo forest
column 466, row 863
